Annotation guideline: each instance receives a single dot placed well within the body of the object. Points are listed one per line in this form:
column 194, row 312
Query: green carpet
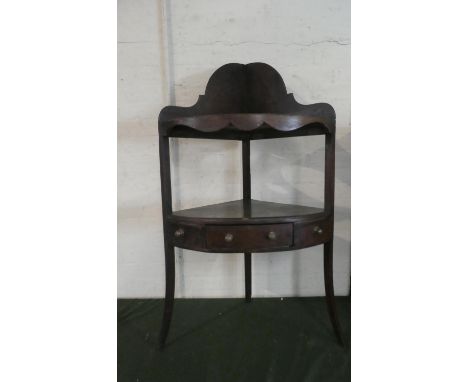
column 227, row 340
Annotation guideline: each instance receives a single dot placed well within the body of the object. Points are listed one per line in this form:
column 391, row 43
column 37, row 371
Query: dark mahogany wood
column 247, row 102
column 246, row 194
column 166, row 197
column 244, row 122
column 308, row 234
column 330, row 296
column 249, row 238
column 248, row 275
column 240, row 210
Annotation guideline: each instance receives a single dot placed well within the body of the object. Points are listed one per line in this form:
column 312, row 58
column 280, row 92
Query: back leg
column 248, row 276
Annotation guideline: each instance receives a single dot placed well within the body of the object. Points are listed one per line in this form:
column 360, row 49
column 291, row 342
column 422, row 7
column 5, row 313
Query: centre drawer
column 249, row 237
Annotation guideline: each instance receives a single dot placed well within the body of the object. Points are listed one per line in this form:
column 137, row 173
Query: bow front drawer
column 249, row 237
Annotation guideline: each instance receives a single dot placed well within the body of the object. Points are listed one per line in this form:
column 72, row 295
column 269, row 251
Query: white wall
column 166, row 53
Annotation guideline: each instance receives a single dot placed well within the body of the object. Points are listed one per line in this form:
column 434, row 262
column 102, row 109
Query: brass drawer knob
column 229, row 237
column 271, row 235
column 179, row 232
column 318, row 230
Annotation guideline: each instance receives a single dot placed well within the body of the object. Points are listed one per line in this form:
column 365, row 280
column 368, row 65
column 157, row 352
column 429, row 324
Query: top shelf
column 243, row 126
column 245, row 102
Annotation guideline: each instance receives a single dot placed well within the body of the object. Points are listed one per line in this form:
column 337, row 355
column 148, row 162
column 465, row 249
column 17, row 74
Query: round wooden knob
column 229, row 237
column 318, row 230
column 271, row 235
column 179, row 232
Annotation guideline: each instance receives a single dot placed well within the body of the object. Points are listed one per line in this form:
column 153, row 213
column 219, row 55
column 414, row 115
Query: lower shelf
column 247, row 209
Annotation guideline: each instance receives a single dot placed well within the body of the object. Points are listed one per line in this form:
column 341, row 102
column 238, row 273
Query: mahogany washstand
column 247, row 102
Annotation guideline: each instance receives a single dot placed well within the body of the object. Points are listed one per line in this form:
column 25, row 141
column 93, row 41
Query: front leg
column 330, row 295
column 169, row 299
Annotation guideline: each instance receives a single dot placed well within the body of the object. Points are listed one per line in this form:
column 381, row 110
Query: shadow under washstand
column 199, row 319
